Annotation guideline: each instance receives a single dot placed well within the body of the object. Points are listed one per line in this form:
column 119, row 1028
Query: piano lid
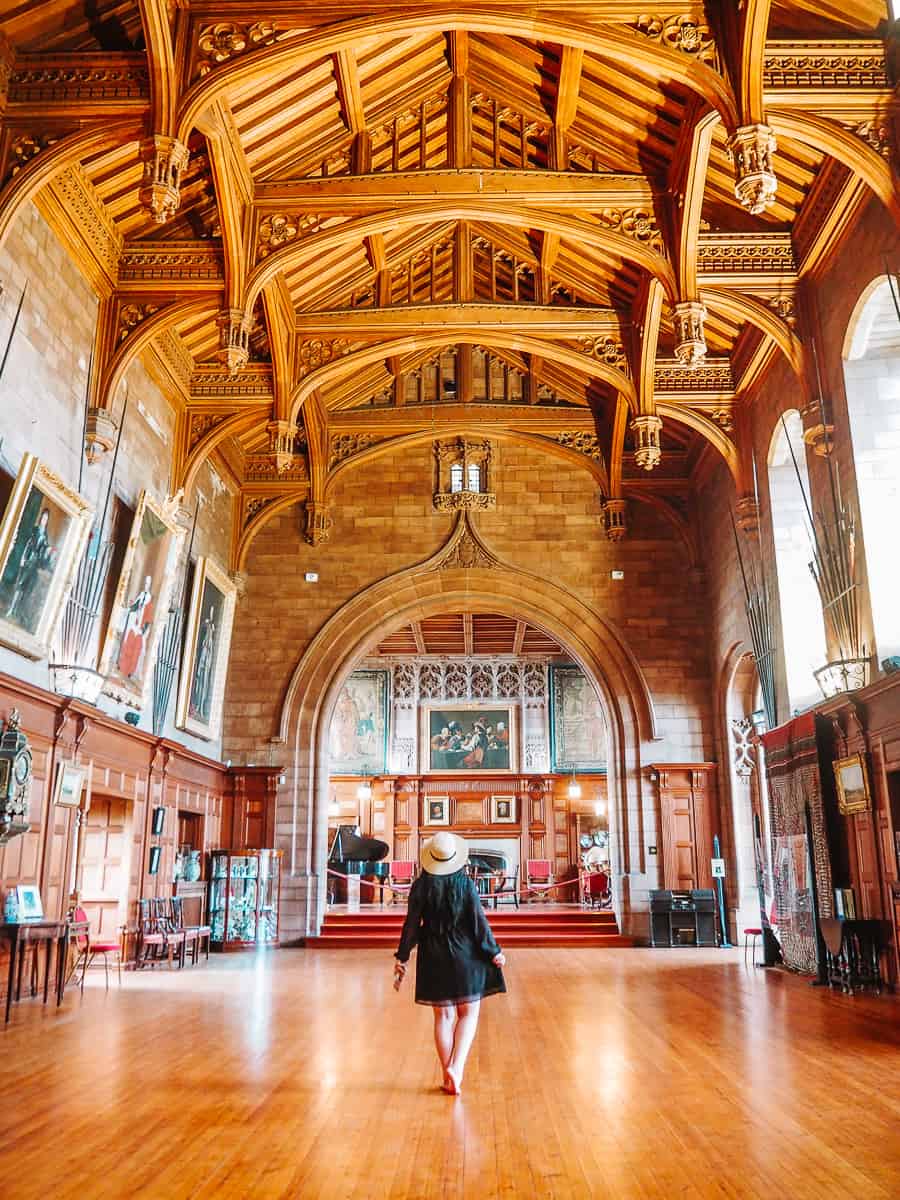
column 349, row 844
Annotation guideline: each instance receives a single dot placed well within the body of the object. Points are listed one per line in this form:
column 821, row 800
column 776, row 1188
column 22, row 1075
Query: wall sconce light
column 574, row 787
column 364, row 788
column 599, row 807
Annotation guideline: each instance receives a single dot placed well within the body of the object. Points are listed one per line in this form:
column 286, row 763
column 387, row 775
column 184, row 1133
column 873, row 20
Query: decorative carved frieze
column 467, row 553
column 724, row 418
column 690, row 338
column 875, row 133
column 743, row 745
column 583, row 442
column 78, row 196
column 605, row 349
column 262, row 468
column 253, row 506
column 831, row 64
column 234, row 345
column 711, row 376
column 178, row 261
column 464, row 501
column 313, row 353
column 79, row 78
column 318, row 522
column 345, row 445
column 225, row 40
column 280, row 229
column 254, row 382
column 24, row 148
column 646, row 429
column 614, row 516
column 164, row 160
column 634, row 223
column 745, row 254
column 131, row 315
column 751, row 149
column 202, row 423
column 680, row 33
column 784, row 307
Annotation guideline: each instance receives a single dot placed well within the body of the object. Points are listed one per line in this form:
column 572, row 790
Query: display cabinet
column 243, row 898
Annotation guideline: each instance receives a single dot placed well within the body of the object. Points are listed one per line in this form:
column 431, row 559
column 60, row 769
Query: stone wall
column 42, row 395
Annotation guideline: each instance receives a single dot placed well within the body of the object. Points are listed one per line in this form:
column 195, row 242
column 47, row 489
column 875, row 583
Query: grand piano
column 353, row 854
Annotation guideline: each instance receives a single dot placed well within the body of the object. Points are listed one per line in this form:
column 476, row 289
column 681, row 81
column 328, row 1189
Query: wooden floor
column 615, row 1073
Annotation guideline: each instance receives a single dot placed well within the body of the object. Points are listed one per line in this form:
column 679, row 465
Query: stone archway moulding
column 463, row 574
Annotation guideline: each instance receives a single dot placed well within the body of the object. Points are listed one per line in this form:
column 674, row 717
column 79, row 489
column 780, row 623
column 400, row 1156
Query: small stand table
column 852, row 950
column 20, row 934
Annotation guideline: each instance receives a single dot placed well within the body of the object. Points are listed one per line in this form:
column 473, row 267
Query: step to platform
column 379, row 929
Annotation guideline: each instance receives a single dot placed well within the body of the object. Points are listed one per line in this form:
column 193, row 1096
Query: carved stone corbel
column 817, row 433
column 690, row 343
column 234, row 340
column 751, row 148
column 99, row 434
column 646, row 430
column 318, row 522
column 746, row 512
column 614, row 515
column 164, row 160
column 282, row 435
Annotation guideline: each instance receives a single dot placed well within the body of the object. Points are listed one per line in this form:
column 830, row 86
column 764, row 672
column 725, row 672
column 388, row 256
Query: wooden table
column 20, row 934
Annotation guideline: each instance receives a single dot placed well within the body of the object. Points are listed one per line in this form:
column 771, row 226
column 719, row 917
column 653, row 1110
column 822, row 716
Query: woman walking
column 459, row 960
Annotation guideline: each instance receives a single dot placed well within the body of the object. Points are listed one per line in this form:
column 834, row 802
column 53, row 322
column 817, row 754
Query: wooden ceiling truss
column 337, row 235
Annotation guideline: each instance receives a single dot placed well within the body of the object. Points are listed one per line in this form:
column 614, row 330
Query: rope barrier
column 541, row 890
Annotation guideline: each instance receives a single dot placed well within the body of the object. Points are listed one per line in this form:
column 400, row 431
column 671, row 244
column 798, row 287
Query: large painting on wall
column 42, row 539
column 578, row 739
column 201, row 685
column 468, row 737
column 140, row 607
column 357, row 740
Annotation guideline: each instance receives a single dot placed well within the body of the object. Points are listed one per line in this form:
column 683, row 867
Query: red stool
column 748, row 935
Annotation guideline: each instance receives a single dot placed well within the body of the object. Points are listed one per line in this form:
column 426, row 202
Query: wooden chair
column 194, row 935
column 538, row 875
column 401, row 875
column 596, row 892
column 154, row 941
column 504, row 887
column 88, row 948
column 176, row 939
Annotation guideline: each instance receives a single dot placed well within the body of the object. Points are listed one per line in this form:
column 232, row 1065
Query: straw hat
column 444, row 854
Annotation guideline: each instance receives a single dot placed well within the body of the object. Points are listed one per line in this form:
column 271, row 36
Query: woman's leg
column 466, row 1027
column 444, row 1028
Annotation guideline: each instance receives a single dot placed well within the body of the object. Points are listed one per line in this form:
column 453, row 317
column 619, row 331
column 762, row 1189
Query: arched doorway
column 465, row 577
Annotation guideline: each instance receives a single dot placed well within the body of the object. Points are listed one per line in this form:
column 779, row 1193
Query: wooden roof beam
column 459, row 115
column 234, row 192
column 519, row 637
column 468, row 635
column 567, row 88
column 646, row 425
column 161, row 60
column 366, row 193
column 476, row 319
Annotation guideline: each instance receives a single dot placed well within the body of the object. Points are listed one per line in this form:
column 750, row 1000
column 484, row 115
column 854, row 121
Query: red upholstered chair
column 596, row 891
column 538, row 875
column 401, row 874
column 88, row 948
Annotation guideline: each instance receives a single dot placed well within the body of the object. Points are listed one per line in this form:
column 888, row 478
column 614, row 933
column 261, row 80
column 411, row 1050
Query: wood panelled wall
column 133, row 771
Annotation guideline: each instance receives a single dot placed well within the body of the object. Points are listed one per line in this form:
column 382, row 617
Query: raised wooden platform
column 550, row 925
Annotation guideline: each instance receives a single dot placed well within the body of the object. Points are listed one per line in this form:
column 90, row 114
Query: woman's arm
column 410, row 933
column 484, row 936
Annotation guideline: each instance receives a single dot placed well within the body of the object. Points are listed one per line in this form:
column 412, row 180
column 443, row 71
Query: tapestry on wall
column 577, row 723
column 792, row 767
column 358, row 735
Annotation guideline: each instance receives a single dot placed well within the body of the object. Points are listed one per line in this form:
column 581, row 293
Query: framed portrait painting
column 459, row 738
column 140, row 607
column 201, row 685
column 503, row 810
column 436, row 810
column 578, row 739
column 43, row 534
column 357, row 738
column 852, row 781
column 69, row 784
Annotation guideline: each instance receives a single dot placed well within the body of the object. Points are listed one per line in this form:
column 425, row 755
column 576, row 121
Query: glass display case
column 243, row 898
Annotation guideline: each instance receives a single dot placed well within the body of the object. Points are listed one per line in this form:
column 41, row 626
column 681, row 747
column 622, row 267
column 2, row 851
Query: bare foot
column 452, row 1083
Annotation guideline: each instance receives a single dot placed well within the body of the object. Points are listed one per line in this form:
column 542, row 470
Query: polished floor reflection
column 615, row 1073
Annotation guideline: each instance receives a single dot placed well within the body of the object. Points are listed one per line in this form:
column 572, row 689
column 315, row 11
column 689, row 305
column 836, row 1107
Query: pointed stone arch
column 464, row 574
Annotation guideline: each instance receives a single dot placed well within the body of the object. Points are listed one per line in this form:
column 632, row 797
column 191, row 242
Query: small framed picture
column 159, row 820
column 155, row 855
column 29, row 898
column 852, row 781
column 69, row 784
column 437, row 810
column 503, row 810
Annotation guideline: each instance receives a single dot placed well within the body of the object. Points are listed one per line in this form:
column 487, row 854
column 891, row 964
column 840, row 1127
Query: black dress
column 453, row 965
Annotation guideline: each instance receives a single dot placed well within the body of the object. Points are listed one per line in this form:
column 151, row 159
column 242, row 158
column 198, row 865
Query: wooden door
column 104, row 859
column 679, row 841
column 688, row 820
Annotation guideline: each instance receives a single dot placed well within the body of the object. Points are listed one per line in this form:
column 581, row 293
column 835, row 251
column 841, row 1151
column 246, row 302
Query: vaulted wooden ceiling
column 332, row 230
column 479, row 634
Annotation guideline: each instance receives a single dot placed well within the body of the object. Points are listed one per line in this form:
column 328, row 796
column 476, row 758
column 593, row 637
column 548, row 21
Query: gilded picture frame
column 141, row 602
column 503, row 810
column 852, row 781
column 435, row 810
column 43, row 534
column 207, row 640
column 69, row 784
column 459, row 738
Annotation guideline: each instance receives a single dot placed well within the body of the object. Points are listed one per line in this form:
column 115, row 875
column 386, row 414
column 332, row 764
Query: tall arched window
column 872, row 381
column 802, row 628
